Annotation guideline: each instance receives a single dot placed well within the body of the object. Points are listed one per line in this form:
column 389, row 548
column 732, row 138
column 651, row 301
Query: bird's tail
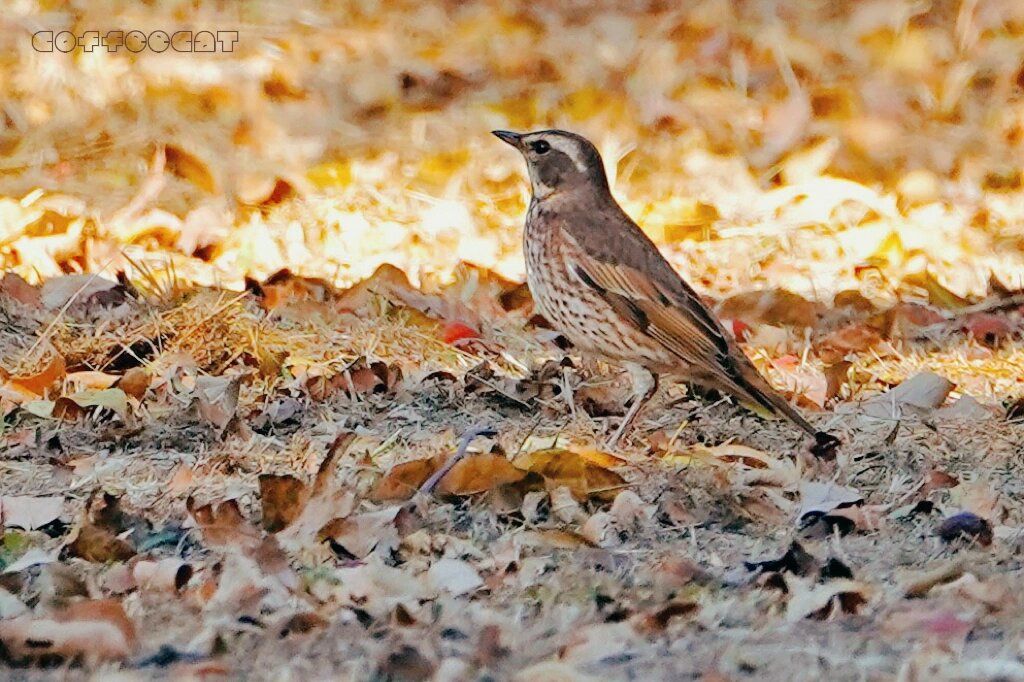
column 756, row 394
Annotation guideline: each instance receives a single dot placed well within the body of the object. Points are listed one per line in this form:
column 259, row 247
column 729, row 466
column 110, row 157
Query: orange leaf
column 38, row 383
column 478, row 473
column 403, row 480
column 561, row 467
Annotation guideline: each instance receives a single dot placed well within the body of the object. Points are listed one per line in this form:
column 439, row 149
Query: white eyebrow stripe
column 570, row 148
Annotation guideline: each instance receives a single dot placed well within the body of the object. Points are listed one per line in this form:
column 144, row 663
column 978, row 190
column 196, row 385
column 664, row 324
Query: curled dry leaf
column 102, row 536
column 217, row 399
column 853, row 338
column 223, row 525
column 360, row 534
column 820, row 601
column 92, row 631
column 166, row 575
column 299, row 512
column 134, row 382
column 30, row 386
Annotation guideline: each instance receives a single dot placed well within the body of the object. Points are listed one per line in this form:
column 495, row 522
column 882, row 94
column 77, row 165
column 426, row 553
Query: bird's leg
column 567, row 393
column 645, row 383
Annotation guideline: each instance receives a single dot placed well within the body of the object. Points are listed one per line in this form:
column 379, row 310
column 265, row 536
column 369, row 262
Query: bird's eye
column 540, row 146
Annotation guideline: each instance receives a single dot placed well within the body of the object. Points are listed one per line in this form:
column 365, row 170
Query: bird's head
column 559, row 161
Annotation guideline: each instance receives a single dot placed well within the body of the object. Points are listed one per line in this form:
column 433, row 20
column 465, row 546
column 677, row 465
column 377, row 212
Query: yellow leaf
column 560, row 467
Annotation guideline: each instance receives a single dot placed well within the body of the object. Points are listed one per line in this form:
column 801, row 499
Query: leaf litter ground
column 213, row 467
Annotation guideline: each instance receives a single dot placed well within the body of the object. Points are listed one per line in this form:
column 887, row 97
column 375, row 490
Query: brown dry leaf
column 81, row 290
column 217, row 399
column 776, row 307
column 134, row 382
column 13, row 286
column 92, row 631
column 561, row 467
column 360, row 534
column 188, row 166
column 282, row 498
column 403, row 480
column 479, row 473
column 101, row 535
column 990, row 330
column 305, row 511
column 223, row 525
column 853, row 338
column 28, row 512
column 37, row 384
column 92, row 400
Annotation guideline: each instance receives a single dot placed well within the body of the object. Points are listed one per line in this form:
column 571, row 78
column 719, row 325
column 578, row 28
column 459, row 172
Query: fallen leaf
column 850, row 339
column 403, row 480
column 454, row 332
column 58, row 292
column 776, row 307
column 818, row 499
column 102, row 535
column 188, row 166
column 217, row 399
column 819, row 601
column 925, row 391
column 134, row 382
column 113, row 399
column 454, row 576
column 360, row 534
column 561, row 467
column 478, row 473
column 802, row 380
column 97, row 630
column 990, row 330
column 37, row 384
column 28, row 512
column 305, row 511
column 223, row 525
column 167, row 575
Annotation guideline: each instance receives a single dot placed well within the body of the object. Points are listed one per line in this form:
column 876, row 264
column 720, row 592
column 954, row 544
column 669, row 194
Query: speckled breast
column 571, row 306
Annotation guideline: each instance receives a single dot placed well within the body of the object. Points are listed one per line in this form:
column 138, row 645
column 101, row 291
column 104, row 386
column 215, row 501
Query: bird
column 601, row 281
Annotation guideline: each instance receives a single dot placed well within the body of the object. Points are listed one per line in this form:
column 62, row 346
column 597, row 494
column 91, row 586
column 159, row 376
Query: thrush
column 602, row 282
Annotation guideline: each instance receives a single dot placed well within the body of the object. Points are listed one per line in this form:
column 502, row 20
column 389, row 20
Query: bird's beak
column 507, row 136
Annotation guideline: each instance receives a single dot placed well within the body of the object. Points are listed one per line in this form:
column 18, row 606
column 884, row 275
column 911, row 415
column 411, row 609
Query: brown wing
column 633, row 276
column 621, row 263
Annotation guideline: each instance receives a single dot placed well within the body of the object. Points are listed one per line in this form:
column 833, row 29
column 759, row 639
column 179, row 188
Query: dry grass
column 824, row 149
